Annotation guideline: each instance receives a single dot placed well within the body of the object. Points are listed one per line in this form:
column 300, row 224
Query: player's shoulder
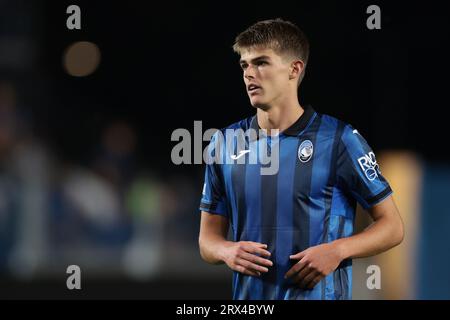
column 333, row 124
column 346, row 132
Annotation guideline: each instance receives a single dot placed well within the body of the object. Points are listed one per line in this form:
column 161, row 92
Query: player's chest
column 290, row 169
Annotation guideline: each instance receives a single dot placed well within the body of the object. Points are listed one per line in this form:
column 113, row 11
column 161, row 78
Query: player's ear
column 296, row 69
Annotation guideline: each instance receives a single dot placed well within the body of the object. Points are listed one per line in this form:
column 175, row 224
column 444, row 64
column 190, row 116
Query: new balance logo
column 369, row 165
column 241, row 153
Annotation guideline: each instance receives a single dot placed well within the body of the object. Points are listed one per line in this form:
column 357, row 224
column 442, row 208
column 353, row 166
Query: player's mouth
column 253, row 89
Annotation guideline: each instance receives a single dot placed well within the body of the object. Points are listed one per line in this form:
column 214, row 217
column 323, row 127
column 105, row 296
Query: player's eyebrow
column 263, row 57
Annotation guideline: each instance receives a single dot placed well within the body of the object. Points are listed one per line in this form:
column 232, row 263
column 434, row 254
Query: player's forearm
column 212, row 248
column 380, row 236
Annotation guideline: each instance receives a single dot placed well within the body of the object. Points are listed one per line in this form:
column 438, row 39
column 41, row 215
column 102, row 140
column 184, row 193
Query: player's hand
column 247, row 257
column 313, row 265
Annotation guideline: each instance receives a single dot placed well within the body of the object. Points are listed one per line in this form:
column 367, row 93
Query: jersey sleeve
column 213, row 198
column 358, row 171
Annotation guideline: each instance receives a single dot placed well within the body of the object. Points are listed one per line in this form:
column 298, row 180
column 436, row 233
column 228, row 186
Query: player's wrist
column 340, row 248
column 223, row 250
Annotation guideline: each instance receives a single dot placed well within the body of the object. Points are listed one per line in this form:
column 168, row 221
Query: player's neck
column 280, row 116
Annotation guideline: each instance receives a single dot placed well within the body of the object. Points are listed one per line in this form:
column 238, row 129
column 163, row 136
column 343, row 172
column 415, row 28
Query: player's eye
column 261, row 63
column 244, row 66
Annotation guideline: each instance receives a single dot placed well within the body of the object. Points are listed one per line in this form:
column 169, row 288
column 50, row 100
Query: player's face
column 266, row 76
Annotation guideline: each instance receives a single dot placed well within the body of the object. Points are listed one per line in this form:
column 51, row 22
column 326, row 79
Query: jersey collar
column 297, row 127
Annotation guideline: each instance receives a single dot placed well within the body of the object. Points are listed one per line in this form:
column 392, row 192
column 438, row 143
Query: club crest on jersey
column 305, row 151
column 369, row 165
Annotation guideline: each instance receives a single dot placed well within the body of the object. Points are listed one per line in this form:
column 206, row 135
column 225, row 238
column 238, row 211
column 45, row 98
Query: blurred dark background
column 86, row 174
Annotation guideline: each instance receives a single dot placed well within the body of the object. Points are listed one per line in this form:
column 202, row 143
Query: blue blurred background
column 86, row 117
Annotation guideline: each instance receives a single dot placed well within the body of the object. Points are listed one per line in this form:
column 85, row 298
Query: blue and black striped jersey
column 325, row 166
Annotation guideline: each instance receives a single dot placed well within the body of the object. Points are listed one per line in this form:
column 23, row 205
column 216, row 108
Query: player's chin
column 256, row 102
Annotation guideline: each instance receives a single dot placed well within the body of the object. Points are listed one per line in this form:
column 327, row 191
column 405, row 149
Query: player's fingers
column 259, row 244
column 295, row 269
column 250, row 265
column 257, row 250
column 256, row 244
column 306, row 270
column 314, row 282
column 243, row 270
column 297, row 256
column 255, row 259
column 305, row 278
column 299, row 279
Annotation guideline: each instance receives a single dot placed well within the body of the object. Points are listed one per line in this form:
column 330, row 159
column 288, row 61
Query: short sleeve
column 357, row 170
column 213, row 198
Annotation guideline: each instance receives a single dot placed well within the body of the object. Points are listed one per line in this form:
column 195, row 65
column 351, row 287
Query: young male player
column 292, row 230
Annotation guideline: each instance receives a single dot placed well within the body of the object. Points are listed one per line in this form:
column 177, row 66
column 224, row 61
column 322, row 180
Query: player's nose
column 249, row 73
